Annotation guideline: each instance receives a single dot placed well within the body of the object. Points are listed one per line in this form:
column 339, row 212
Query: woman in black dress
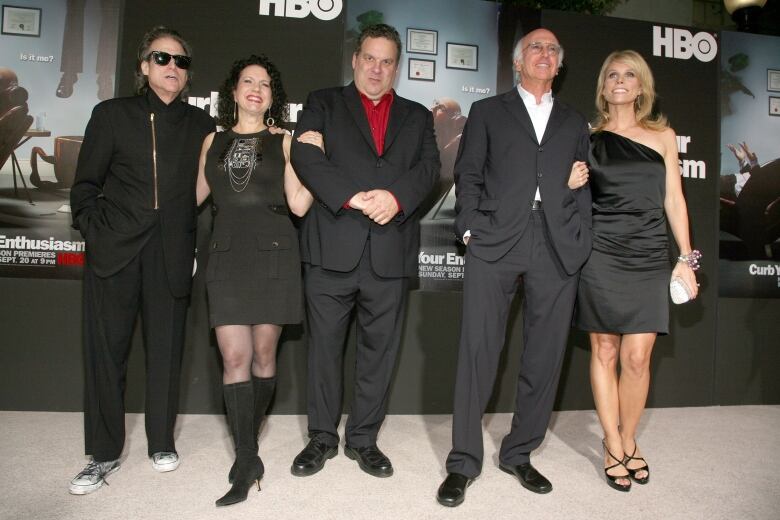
column 623, row 298
column 253, row 276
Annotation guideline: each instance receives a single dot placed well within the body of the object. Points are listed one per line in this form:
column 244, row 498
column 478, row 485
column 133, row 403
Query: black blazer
column 499, row 165
column 334, row 237
column 113, row 196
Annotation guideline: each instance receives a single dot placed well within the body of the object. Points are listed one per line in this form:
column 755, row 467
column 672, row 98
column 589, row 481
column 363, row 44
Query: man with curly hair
column 134, row 202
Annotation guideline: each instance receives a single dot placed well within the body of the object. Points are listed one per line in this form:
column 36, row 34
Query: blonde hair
column 643, row 106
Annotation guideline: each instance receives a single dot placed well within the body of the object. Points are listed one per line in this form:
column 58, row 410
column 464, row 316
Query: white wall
column 473, row 22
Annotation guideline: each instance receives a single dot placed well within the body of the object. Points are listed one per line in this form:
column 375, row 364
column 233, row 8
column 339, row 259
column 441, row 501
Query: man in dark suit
column 133, row 200
column 519, row 218
column 360, row 242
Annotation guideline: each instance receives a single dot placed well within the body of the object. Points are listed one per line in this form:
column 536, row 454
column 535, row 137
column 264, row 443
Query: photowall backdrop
column 749, row 181
column 54, row 78
column 40, row 353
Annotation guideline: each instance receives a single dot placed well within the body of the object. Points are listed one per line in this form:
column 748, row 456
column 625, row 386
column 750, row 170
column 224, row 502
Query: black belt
column 536, row 205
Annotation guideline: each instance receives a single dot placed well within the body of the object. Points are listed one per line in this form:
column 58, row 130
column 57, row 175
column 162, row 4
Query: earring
column 269, row 121
column 638, row 102
column 235, row 112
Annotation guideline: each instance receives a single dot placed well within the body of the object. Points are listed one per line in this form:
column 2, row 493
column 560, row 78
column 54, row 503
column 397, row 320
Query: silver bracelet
column 692, row 259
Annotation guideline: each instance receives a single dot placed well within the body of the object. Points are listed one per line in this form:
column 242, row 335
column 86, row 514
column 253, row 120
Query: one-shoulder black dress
column 624, row 284
column 254, row 269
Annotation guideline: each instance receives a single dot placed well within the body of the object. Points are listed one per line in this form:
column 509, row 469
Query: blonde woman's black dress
column 624, row 284
column 253, row 274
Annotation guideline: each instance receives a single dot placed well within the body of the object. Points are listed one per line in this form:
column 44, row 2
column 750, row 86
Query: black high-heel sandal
column 634, row 471
column 612, row 479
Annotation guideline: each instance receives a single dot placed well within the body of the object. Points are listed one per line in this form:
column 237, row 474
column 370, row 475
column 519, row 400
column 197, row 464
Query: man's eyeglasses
column 163, row 58
column 537, row 48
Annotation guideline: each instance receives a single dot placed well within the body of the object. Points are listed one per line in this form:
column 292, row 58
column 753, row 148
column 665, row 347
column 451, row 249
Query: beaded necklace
column 239, row 160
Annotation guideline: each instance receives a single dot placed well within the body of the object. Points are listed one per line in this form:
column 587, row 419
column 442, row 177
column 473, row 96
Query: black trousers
column 72, row 57
column 488, row 290
column 111, row 307
column 379, row 303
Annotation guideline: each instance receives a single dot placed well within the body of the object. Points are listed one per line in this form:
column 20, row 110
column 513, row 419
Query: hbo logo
column 681, row 44
column 322, row 9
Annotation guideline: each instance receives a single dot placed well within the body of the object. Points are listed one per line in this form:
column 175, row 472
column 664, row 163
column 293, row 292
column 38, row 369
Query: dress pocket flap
column 488, row 205
column 273, row 242
column 220, row 244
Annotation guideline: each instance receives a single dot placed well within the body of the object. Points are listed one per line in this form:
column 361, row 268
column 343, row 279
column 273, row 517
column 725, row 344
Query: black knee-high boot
column 264, row 388
column 264, row 391
column 240, row 406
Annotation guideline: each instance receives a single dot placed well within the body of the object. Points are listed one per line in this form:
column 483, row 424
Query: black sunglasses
column 163, row 58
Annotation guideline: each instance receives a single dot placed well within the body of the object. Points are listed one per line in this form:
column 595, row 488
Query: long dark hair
column 226, row 105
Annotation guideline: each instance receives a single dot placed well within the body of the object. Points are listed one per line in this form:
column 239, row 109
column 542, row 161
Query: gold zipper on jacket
column 154, row 161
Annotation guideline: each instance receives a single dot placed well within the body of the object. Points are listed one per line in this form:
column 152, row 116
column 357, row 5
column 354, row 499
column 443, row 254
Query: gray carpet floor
column 706, row 463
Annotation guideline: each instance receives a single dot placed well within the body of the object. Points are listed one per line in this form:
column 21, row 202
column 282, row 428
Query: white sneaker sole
column 76, row 489
column 168, row 466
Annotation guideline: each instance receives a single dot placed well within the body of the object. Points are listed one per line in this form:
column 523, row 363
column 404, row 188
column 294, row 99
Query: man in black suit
column 360, row 242
column 133, row 200
column 519, row 218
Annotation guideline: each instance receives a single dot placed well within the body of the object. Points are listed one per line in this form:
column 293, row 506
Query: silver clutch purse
column 679, row 291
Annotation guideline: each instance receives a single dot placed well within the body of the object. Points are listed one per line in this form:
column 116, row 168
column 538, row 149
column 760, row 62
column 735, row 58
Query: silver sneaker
column 163, row 461
column 92, row 477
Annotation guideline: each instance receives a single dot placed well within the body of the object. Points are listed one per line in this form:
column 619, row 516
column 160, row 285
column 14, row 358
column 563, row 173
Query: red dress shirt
column 378, row 115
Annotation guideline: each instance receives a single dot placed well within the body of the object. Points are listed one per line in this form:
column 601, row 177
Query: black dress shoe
column 452, row 491
column 65, row 87
column 529, row 478
column 312, row 458
column 371, row 460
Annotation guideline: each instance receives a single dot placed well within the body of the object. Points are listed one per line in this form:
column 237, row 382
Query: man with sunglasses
column 518, row 218
column 134, row 202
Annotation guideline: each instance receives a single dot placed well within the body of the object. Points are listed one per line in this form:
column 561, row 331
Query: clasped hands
column 378, row 205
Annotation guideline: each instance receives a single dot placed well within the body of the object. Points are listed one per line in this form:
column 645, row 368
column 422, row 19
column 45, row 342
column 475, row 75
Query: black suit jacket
column 500, row 162
column 334, row 237
column 113, row 196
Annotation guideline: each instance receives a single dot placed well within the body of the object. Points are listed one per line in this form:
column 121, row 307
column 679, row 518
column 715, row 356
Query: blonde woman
column 623, row 299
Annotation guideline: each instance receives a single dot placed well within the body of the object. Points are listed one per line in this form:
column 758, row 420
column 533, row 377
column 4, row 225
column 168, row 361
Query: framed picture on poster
column 773, row 80
column 462, row 56
column 21, row 21
column 422, row 41
column 774, row 106
column 422, row 70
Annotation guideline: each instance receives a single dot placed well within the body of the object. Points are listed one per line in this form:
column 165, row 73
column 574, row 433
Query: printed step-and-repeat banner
column 453, row 55
column 749, row 181
column 57, row 60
